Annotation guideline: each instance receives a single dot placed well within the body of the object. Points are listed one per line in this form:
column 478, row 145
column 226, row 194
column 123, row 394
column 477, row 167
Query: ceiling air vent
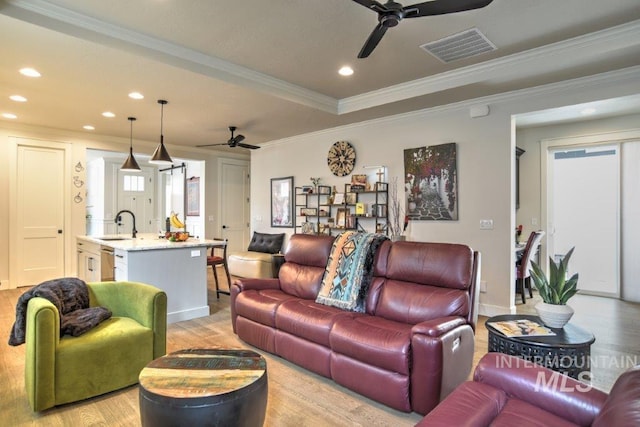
column 459, row 46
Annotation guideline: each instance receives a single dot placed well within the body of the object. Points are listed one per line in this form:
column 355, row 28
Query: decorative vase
column 553, row 315
column 412, row 206
column 396, row 238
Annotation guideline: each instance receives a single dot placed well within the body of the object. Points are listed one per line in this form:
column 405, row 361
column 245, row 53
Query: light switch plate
column 195, row 253
column 486, row 224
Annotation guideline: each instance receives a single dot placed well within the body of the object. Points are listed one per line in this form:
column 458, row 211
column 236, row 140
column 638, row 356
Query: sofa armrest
column 144, row 303
column 442, row 357
column 557, row 393
column 41, row 339
column 256, row 284
column 437, row 327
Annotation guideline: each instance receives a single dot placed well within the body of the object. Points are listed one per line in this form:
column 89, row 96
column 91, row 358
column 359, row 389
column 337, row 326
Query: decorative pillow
column 266, row 243
column 349, row 270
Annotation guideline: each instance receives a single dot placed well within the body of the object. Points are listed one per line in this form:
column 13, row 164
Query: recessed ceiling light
column 88, row 127
column 588, row 111
column 108, row 114
column 136, row 95
column 18, row 98
column 29, row 72
column 9, row 116
column 345, row 71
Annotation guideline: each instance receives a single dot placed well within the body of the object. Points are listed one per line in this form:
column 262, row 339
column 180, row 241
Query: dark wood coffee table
column 204, row 387
column 569, row 351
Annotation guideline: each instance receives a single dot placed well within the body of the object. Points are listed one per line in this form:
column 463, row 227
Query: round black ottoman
column 204, row 387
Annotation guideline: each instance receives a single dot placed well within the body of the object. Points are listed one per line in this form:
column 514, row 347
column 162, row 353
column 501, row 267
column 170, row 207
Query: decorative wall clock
column 341, row 158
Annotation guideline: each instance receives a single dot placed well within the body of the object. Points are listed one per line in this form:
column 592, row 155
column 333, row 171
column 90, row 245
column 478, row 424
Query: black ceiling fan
column 234, row 141
column 391, row 13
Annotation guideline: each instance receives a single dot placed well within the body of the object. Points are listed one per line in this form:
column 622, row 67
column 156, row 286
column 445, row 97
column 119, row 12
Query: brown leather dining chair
column 214, row 260
column 523, row 267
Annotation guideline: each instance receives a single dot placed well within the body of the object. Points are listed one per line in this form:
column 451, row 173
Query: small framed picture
column 306, row 189
column 350, row 198
column 308, row 228
column 359, row 179
column 341, row 217
column 308, row 211
column 338, row 199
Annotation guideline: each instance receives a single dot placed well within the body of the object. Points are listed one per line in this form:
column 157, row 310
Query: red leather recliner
column 510, row 391
column 411, row 347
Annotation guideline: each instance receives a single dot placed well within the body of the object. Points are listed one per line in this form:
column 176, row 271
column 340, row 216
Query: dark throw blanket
column 71, row 297
column 349, row 270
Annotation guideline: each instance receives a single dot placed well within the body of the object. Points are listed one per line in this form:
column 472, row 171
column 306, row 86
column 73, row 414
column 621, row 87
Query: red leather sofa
column 413, row 345
column 509, row 391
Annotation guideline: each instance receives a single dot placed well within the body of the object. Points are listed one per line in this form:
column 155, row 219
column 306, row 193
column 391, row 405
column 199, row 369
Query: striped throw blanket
column 349, row 270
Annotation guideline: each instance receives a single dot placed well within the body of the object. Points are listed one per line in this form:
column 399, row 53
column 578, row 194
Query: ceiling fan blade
column 238, row 138
column 249, row 146
column 372, row 41
column 213, row 145
column 373, row 5
column 441, row 7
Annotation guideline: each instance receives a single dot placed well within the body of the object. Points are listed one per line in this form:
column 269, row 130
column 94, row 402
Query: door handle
column 59, row 231
column 224, row 226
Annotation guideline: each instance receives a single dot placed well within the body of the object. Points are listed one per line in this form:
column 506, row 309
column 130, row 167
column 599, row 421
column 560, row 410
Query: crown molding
column 549, row 57
column 57, row 18
column 566, row 86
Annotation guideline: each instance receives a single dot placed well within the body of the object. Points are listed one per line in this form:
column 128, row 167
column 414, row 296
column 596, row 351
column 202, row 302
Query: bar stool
column 214, row 261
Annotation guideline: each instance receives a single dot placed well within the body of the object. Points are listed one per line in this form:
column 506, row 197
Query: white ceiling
column 270, row 67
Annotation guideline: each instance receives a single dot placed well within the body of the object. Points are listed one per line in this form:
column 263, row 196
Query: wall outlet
column 534, row 221
column 195, row 253
column 483, row 286
column 486, row 224
column 211, row 218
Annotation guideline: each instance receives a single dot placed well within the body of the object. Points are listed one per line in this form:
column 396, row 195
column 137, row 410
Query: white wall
column 486, row 164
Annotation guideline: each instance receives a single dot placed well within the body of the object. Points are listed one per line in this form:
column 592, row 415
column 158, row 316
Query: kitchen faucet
column 117, row 221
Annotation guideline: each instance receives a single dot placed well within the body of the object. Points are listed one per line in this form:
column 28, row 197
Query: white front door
column 136, row 192
column 38, row 214
column 234, row 203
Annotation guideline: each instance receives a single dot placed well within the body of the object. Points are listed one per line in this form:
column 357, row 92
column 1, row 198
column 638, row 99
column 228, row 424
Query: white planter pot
column 552, row 315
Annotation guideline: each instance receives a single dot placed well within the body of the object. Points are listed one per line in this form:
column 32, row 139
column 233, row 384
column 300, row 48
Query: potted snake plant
column 555, row 291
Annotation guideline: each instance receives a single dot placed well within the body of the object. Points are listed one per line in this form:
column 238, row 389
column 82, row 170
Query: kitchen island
column 178, row 268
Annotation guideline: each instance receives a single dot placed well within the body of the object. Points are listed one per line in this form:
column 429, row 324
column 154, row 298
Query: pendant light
column 130, row 165
column 161, row 155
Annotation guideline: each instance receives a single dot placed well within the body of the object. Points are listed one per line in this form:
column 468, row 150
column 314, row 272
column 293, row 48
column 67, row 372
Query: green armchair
column 108, row 357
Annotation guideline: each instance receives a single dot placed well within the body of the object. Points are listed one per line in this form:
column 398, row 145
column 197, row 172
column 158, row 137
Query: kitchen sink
column 108, row 239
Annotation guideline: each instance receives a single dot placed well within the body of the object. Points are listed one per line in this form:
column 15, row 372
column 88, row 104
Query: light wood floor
column 296, row 396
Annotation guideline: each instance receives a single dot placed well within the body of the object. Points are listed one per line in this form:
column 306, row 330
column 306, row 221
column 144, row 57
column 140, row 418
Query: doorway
column 584, row 211
column 234, row 202
column 627, row 230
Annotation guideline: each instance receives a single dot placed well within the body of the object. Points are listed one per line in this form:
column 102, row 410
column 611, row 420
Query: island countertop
column 147, row 241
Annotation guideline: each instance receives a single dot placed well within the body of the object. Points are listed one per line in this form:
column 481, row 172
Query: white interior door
column 38, row 219
column 234, row 203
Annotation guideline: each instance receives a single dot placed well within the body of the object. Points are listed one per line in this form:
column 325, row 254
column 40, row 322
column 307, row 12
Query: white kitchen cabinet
column 121, row 265
column 89, row 266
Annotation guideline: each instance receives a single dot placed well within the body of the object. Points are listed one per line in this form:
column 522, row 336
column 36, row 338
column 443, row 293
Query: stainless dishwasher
column 107, row 265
